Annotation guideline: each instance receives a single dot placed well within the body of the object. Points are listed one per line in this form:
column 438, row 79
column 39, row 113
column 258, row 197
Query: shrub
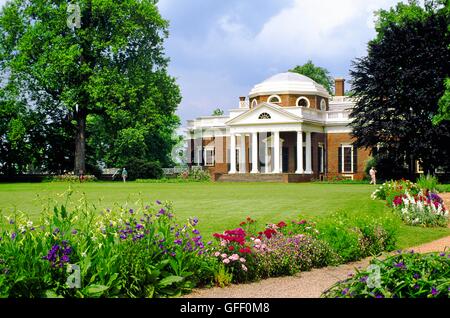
column 407, row 275
column 427, row 182
column 195, row 175
column 73, row 178
column 120, row 253
column 390, row 189
column 142, row 169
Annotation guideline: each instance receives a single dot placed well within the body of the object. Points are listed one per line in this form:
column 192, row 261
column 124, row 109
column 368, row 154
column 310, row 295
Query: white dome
column 289, row 83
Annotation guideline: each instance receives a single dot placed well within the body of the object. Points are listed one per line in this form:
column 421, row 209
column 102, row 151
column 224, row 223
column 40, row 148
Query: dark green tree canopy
column 218, row 112
column 107, row 79
column 316, row 73
column 398, row 87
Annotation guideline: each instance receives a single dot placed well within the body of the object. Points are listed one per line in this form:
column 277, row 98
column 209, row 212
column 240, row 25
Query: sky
column 220, row 49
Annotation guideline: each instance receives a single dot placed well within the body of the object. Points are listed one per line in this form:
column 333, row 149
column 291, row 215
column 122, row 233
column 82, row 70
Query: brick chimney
column 339, row 85
column 242, row 102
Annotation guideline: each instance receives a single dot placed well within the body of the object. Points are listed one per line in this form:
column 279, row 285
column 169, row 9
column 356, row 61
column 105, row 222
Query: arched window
column 264, row 116
column 302, row 102
column 274, row 99
column 254, row 103
column 323, row 105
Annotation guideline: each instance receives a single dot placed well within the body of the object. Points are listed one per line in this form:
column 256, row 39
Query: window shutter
column 340, row 159
column 355, row 159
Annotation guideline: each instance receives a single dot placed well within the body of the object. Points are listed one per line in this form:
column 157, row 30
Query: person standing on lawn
column 373, row 176
column 124, row 174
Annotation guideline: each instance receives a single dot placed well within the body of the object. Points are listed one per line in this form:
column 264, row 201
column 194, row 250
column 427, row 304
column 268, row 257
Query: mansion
column 288, row 129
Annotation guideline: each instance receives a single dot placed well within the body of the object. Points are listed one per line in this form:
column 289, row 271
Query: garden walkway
column 306, row 284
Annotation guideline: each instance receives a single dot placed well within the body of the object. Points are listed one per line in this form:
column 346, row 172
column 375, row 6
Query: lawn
column 218, row 206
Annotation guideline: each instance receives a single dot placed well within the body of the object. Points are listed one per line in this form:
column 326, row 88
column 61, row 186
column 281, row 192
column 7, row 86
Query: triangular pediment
column 264, row 113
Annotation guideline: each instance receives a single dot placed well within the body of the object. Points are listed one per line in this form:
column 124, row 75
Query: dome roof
column 288, row 83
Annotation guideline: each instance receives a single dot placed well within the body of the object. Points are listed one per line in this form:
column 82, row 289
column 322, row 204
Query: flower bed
column 406, row 275
column 73, row 178
column 421, row 210
column 146, row 252
column 415, row 206
column 287, row 248
column 119, row 253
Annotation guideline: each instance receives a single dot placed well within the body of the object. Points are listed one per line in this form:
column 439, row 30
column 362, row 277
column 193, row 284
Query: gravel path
column 306, row 284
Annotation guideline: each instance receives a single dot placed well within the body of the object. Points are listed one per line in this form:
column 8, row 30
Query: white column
column 242, row 161
column 299, row 152
column 276, row 155
column 266, row 157
column 232, row 154
column 308, row 153
column 255, row 152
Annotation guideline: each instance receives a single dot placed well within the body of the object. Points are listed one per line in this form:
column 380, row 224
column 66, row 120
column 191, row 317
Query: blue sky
column 219, row 49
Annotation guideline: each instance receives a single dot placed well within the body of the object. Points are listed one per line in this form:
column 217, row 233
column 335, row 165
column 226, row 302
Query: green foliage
column 444, row 105
column 398, row 86
column 106, row 81
column 141, row 169
column 120, row 253
column 407, row 275
column 195, row 175
column 427, row 182
column 319, row 74
column 73, row 178
column 217, row 112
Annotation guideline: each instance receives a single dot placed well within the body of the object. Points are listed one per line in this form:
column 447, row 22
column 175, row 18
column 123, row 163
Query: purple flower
column 209, row 242
column 131, row 211
column 363, row 279
column 434, row 291
column 147, row 207
column 158, row 202
column 123, row 236
column 442, row 254
column 345, row 291
column 13, row 235
column 139, row 226
column 379, row 296
column 178, row 242
column 56, row 231
column 196, row 231
column 11, row 221
column 162, row 211
column 416, row 276
column 74, row 232
column 400, row 265
column 173, row 254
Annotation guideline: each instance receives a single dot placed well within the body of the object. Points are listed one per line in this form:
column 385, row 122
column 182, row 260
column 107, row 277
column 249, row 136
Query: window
column 323, row 105
column 254, row 103
column 209, row 157
column 347, row 159
column 264, row 116
column 302, row 102
column 274, row 99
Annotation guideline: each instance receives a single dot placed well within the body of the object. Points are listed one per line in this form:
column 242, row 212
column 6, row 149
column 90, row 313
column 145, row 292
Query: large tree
column 398, row 86
column 110, row 69
column 318, row 74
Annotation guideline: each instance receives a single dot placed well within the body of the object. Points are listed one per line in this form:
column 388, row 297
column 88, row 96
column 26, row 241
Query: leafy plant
column 406, row 275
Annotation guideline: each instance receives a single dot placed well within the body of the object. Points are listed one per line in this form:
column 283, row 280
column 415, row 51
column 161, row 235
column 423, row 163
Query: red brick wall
column 334, row 141
column 289, row 100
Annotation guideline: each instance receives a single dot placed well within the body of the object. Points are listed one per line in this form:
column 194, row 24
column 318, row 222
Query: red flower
column 269, row 232
column 242, row 223
column 231, row 248
column 281, row 224
column 245, row 250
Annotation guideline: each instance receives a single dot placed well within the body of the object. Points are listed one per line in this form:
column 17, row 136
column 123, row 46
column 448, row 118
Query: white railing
column 174, row 170
column 337, row 116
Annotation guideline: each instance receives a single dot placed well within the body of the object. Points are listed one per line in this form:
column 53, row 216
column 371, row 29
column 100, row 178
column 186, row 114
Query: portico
column 266, row 150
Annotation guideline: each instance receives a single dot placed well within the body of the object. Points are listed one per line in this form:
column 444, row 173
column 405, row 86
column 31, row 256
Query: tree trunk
column 80, row 143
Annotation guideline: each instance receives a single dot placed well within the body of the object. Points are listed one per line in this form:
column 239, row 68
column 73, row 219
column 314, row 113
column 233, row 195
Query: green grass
column 218, row 206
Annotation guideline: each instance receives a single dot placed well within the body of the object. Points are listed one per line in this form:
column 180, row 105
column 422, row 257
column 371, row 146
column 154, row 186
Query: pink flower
column 244, row 268
column 226, row 261
column 234, row 257
column 224, row 255
column 257, row 241
column 217, row 254
column 242, row 260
